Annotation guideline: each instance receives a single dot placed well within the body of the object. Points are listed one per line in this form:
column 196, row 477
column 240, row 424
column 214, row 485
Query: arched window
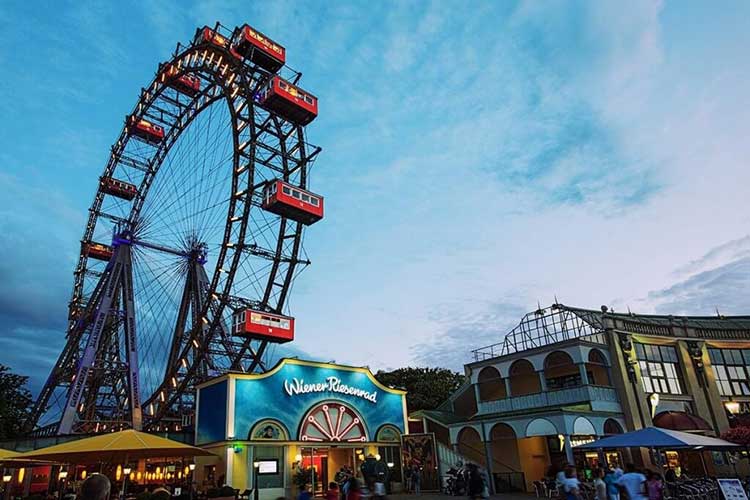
column 612, row 426
column 491, row 385
column 560, row 372
column 471, row 446
column 523, row 379
column 596, row 368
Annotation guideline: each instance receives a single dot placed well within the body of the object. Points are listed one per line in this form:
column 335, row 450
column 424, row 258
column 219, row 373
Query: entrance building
column 301, row 422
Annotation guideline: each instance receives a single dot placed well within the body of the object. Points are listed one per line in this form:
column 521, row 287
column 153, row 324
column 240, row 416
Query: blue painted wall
column 265, row 397
column 212, row 413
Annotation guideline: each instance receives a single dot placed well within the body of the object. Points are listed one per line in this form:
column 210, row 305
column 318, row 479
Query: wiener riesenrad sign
column 297, row 386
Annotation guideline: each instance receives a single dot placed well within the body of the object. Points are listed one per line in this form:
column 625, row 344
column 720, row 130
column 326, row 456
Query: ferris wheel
column 193, row 240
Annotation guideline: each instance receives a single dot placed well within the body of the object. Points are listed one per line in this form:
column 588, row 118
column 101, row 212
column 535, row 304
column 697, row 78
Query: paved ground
column 440, row 496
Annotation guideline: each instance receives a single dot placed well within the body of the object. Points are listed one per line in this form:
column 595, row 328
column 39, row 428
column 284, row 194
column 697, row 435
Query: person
column 407, row 475
column 333, row 491
column 600, row 487
column 304, row 493
column 610, row 479
column 655, row 487
column 571, row 485
column 416, row 480
column 632, row 483
column 560, row 479
column 95, row 487
column 353, row 492
column 476, row 483
column 670, row 476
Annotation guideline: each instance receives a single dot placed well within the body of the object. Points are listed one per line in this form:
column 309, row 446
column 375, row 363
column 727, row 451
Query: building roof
column 558, row 323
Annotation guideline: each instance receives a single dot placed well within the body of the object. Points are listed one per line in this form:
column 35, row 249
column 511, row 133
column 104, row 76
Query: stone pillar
column 584, row 375
column 542, row 381
column 506, row 381
column 711, row 392
column 489, row 458
column 568, row 449
column 476, row 394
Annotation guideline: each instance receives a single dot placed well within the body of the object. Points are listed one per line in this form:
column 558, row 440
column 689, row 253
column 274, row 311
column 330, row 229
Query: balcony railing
column 601, row 398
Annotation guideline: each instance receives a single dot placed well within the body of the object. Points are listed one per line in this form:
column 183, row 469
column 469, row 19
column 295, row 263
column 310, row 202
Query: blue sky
column 478, row 158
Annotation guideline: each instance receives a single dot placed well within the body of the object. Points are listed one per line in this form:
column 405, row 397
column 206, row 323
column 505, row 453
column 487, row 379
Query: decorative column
column 542, row 381
column 506, row 380
column 584, row 374
column 568, row 449
column 489, row 459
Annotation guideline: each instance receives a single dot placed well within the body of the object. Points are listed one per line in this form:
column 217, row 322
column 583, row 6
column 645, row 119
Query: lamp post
column 125, row 475
column 61, row 482
column 191, row 468
column 255, row 480
column 6, row 483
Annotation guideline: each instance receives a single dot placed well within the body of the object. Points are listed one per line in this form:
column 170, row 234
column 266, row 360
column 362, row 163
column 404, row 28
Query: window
column 314, row 201
column 308, row 99
column 295, row 194
column 730, row 369
column 239, row 319
column 659, row 368
column 286, row 190
column 282, row 85
column 305, row 198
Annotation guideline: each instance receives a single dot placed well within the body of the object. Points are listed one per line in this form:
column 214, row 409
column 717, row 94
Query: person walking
column 655, row 487
column 95, row 487
column 416, row 480
column 476, row 483
column 571, row 484
column 600, row 487
column 632, row 483
column 354, row 492
column 610, row 478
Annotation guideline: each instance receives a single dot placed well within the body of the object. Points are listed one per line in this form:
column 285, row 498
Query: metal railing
column 550, row 399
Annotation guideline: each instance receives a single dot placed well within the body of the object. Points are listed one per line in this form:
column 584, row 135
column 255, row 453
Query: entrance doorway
column 325, row 462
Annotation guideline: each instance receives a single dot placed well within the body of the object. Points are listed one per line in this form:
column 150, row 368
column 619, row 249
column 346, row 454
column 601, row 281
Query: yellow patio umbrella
column 114, row 447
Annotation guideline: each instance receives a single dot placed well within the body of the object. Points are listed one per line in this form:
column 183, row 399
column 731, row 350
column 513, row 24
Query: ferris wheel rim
column 220, row 288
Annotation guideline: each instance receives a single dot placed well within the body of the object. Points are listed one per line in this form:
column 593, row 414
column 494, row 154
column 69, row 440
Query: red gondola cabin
column 98, row 251
column 118, row 188
column 208, row 35
column 188, row 84
column 260, row 49
column 288, row 201
column 263, row 326
column 145, row 130
column 289, row 101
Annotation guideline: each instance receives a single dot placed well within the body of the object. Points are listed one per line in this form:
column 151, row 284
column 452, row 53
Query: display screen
column 268, row 466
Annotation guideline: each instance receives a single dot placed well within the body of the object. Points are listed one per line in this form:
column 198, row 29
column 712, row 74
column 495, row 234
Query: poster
column 418, row 450
column 732, row 489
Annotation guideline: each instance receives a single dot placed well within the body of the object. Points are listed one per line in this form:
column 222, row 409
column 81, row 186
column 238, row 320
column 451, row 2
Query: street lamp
column 256, row 465
column 125, row 475
column 61, row 476
column 191, row 469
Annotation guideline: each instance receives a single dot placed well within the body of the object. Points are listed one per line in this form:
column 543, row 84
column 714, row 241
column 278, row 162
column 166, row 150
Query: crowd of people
column 610, row 484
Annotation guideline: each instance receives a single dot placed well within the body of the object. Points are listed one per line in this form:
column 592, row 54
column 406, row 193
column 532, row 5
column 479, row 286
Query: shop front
column 301, row 422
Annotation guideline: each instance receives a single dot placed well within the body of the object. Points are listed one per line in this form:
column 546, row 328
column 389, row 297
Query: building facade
column 300, row 421
column 566, row 376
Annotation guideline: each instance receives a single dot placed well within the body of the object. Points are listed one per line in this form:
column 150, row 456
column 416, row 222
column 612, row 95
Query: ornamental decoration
column 333, row 421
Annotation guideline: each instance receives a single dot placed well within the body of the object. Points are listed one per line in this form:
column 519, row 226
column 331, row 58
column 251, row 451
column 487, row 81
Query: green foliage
column 15, row 403
column 426, row 387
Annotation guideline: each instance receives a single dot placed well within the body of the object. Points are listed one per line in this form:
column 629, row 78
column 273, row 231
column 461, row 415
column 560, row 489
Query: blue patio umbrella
column 657, row 438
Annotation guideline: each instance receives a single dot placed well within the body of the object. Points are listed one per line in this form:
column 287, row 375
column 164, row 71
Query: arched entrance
column 612, row 426
column 560, row 372
column 596, row 368
column 471, row 446
column 523, row 378
column 491, row 385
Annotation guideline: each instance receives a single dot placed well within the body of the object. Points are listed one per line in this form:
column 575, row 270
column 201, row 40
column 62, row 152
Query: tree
column 426, row 387
column 15, row 403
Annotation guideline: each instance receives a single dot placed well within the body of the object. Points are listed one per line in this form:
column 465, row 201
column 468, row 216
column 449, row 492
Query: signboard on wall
column 418, row 451
column 732, row 489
